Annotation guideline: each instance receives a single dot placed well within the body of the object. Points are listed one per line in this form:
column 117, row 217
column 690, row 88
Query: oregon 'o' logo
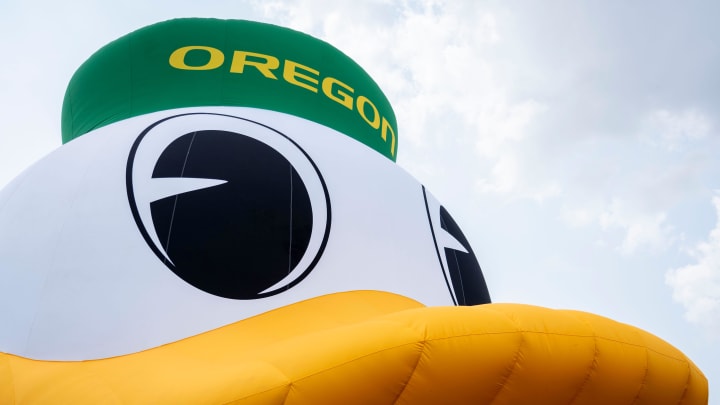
column 231, row 206
column 458, row 262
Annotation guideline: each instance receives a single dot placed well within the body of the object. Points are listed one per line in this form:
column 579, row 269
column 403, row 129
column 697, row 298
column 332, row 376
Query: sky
column 575, row 142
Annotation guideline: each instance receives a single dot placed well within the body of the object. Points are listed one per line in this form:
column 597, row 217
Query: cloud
column 638, row 186
column 672, row 129
column 437, row 63
column 532, row 113
column 595, row 125
column 697, row 286
column 639, row 229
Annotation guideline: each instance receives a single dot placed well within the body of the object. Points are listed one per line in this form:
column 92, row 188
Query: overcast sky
column 577, row 143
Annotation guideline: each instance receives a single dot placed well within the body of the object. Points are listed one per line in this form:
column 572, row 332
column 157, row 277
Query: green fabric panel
column 133, row 76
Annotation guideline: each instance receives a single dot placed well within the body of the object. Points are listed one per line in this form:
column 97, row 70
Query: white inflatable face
column 170, row 224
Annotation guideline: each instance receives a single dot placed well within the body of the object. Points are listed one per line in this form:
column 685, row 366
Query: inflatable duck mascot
column 225, row 224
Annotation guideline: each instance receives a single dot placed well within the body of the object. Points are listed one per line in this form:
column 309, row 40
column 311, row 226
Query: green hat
column 209, row 62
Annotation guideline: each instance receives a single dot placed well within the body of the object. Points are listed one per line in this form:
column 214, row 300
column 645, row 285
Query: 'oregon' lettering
column 293, row 73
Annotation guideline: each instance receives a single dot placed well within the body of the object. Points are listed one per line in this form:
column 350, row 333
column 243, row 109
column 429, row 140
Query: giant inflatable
column 225, row 223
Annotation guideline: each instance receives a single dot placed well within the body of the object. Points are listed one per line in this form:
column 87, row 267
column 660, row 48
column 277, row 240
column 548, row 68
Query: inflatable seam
column 255, row 394
column 325, row 370
column 687, row 385
column 593, row 363
column 11, row 188
column 53, row 254
column 644, row 379
column 515, row 360
column 412, row 373
column 288, row 383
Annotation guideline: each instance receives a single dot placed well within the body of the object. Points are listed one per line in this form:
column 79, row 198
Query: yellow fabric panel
column 187, row 371
column 666, row 378
column 615, row 374
column 325, row 364
column 7, row 393
column 465, row 358
column 553, row 359
column 368, row 347
column 694, row 394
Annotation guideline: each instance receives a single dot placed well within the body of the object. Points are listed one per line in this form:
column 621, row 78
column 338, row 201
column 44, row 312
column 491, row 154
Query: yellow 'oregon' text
column 296, row 74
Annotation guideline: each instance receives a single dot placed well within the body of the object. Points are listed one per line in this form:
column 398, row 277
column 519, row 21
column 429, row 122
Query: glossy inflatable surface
column 225, row 223
column 378, row 348
column 140, row 226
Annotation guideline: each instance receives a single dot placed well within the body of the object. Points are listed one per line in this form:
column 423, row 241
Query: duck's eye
column 460, row 266
column 232, row 207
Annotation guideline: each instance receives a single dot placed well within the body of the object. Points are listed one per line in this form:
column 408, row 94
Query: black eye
column 227, row 210
column 467, row 278
column 459, row 264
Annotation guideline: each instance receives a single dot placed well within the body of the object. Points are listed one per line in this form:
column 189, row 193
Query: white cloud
column 579, row 216
column 635, row 188
column 639, row 229
column 671, row 129
column 504, row 177
column 437, row 63
column 697, row 286
column 525, row 125
column 428, row 56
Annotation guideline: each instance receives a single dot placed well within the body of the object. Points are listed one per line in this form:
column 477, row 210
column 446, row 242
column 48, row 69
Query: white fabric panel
column 78, row 280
